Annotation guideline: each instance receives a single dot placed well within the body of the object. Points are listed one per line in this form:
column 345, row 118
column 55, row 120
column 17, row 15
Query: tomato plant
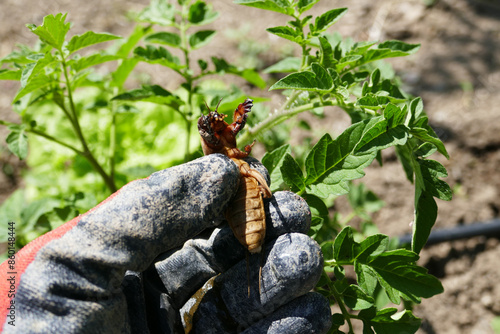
column 62, row 98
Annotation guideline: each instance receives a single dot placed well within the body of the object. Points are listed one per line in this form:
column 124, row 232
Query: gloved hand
column 133, row 263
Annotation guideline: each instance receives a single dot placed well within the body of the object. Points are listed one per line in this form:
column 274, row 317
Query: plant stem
column 112, row 146
column 86, row 153
column 340, row 302
column 280, row 116
column 55, row 140
column 187, row 74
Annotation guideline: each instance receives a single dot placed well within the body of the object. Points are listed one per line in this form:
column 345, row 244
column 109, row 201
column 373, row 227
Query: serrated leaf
column 201, row 13
column 89, row 38
column 399, row 46
column 327, row 19
column 317, row 80
column 425, row 217
column 221, row 66
column 367, row 277
column 289, row 64
column 390, row 321
column 343, row 245
column 286, row 33
column 158, row 12
column 390, row 49
column 317, row 206
column 424, row 135
column 397, row 269
column 292, row 174
column 431, row 172
column 304, row 5
column 31, row 70
column 356, row 298
column 280, row 6
column 273, row 162
column 201, row 38
column 53, row 30
column 95, row 59
column 10, row 74
column 130, row 43
column 371, row 247
column 327, row 57
column 35, row 83
column 316, row 225
column 17, row 142
column 378, row 135
column 159, row 55
column 147, row 93
column 164, row 37
column 123, row 70
column 331, row 163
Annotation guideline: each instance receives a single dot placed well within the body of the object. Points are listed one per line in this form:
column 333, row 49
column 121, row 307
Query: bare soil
column 456, row 72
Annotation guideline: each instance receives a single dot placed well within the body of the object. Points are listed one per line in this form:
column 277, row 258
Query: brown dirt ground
column 457, row 73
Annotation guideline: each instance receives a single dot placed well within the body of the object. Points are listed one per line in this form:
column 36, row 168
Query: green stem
column 340, row 302
column 280, row 116
column 86, row 153
column 187, row 74
column 55, row 140
column 112, row 146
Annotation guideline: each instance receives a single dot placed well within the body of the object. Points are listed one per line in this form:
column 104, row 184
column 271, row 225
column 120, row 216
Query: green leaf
column 221, row 66
column 356, row 298
column 10, row 74
column 425, row 217
column 378, row 135
column 319, row 80
column 164, row 37
column 399, row 46
column 424, row 135
column 201, row 38
column 431, row 172
column 327, row 58
column 280, row 6
column 317, row 206
column 159, row 55
column 53, row 30
column 158, row 12
column 95, row 59
column 147, row 93
column 343, row 245
column 367, row 277
column 286, row 33
column 121, row 74
column 17, row 142
column 327, row 19
column 332, row 163
column 371, row 247
column 273, row 162
column 130, row 43
column 89, row 38
column 304, row 5
column 292, row 174
column 397, row 270
column 35, row 83
column 289, row 64
column 390, row 49
column 389, row 320
column 201, row 13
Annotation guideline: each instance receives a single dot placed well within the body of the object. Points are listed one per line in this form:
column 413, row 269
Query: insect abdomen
column 247, row 217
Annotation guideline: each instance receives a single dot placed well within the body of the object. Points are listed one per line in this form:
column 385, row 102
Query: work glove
column 157, row 256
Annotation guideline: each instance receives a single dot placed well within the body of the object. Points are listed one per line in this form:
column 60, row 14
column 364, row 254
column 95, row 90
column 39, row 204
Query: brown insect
column 245, row 214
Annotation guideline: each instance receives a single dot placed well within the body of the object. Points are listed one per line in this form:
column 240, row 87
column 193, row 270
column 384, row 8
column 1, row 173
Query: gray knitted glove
column 119, row 269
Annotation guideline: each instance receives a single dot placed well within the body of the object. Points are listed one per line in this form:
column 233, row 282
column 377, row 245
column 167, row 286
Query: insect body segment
column 246, row 214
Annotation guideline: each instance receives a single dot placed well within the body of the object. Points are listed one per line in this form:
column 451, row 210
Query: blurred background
column 456, row 72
